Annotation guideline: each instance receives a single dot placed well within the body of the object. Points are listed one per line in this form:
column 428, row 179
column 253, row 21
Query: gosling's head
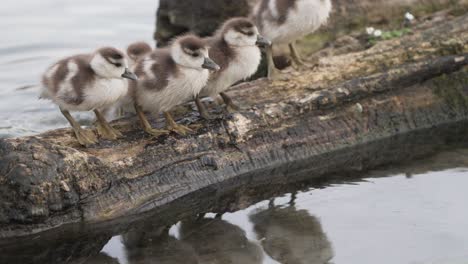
column 190, row 51
column 109, row 62
column 241, row 32
column 138, row 50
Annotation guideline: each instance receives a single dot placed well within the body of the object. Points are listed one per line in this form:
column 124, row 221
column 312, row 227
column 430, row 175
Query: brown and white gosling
column 88, row 82
column 137, row 51
column 235, row 49
column 170, row 77
column 285, row 21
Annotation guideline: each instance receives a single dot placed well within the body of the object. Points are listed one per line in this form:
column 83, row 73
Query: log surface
column 400, row 99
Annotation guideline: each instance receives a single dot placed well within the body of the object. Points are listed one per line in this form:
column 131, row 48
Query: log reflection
column 102, row 258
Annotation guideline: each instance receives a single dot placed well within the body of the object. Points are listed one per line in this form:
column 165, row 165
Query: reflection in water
column 409, row 218
column 153, row 244
column 292, row 236
column 101, row 258
column 73, row 248
column 218, row 242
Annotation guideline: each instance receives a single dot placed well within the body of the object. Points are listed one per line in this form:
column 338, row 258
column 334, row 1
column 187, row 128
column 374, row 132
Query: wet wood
column 398, row 100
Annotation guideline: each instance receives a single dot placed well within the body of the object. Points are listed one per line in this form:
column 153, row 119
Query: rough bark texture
column 400, row 99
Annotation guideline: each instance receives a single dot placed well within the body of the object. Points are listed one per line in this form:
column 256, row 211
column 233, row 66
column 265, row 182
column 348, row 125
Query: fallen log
column 398, row 100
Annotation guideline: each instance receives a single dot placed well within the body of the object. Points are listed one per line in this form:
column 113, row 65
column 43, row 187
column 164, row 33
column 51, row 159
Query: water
column 37, row 33
column 412, row 214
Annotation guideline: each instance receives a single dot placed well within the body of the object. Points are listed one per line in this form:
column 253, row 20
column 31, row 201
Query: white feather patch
column 306, row 18
column 179, row 90
column 242, row 67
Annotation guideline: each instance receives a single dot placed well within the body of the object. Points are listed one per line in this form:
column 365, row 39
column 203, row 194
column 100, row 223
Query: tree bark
column 175, row 17
column 201, row 17
column 400, row 99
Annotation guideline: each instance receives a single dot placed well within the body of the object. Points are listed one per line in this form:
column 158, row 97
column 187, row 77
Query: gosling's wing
column 220, row 53
column 66, row 80
column 154, row 71
column 272, row 11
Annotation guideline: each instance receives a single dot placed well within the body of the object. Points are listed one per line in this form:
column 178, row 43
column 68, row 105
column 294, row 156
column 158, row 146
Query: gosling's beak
column 210, row 65
column 262, row 41
column 129, row 75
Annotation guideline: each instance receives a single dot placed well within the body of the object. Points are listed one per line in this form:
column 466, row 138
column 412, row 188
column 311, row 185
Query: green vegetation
column 386, row 35
column 390, row 20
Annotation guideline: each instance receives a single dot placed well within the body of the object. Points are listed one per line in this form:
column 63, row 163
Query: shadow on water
column 152, row 243
column 259, row 225
column 218, row 241
column 289, row 235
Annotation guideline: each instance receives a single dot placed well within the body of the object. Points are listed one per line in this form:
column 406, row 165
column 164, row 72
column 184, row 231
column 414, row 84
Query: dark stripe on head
column 239, row 24
column 111, row 55
column 190, row 43
column 138, row 49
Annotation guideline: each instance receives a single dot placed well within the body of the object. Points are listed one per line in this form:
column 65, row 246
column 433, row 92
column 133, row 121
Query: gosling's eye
column 195, row 55
column 118, row 65
column 250, row 33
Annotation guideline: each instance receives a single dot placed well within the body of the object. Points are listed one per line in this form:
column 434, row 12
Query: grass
column 390, row 20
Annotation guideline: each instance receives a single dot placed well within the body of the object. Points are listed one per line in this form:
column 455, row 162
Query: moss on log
column 398, row 100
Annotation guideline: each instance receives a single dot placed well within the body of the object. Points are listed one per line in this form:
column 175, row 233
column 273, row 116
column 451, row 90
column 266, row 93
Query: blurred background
column 37, row 33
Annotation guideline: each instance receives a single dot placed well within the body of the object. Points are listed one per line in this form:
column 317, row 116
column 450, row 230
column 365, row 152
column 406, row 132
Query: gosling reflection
column 101, row 258
column 292, row 236
column 152, row 244
column 218, row 242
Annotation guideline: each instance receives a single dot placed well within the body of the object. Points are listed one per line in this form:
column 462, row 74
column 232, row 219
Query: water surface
column 37, row 33
column 410, row 214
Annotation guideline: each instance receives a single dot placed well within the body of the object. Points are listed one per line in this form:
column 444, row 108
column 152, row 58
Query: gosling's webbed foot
column 274, row 74
column 146, row 125
column 202, row 110
column 156, row 132
column 296, row 57
column 195, row 127
column 180, row 129
column 300, row 64
column 174, row 127
column 105, row 130
column 108, row 132
column 85, row 137
column 232, row 108
column 205, row 115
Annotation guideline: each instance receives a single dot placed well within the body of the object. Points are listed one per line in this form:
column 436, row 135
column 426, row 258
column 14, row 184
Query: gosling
column 285, row 21
column 88, row 82
column 235, row 48
column 170, row 77
column 137, row 51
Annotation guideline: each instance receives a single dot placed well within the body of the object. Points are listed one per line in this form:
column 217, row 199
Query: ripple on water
column 37, row 33
column 406, row 214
